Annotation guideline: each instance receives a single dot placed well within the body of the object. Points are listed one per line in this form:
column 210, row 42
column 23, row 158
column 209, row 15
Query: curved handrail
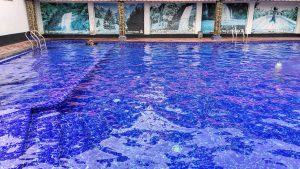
column 40, row 35
column 35, row 36
column 32, row 45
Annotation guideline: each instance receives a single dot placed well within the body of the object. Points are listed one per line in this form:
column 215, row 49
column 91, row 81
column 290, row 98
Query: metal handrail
column 35, row 35
column 32, row 45
column 40, row 35
column 36, row 38
column 243, row 32
column 235, row 33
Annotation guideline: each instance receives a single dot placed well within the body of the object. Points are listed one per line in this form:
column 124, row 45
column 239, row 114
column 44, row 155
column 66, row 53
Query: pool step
column 59, row 102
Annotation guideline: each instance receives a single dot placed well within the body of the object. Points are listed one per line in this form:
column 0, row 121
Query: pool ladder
column 234, row 33
column 36, row 39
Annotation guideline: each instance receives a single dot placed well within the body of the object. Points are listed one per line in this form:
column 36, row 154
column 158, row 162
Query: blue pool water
column 152, row 105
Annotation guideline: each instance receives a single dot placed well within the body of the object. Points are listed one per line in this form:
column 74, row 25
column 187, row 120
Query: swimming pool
column 152, row 105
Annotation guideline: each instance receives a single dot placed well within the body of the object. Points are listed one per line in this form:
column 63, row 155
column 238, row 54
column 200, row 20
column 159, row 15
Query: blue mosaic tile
column 151, row 105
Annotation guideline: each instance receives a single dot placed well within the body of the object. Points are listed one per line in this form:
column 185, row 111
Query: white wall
column 13, row 17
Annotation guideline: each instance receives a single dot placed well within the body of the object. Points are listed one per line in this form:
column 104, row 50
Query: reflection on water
column 153, row 106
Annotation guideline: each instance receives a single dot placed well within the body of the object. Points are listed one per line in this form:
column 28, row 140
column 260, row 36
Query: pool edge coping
column 23, row 50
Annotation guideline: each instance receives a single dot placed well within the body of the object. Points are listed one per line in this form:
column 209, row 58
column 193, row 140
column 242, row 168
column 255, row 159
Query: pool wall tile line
column 57, row 103
column 15, row 56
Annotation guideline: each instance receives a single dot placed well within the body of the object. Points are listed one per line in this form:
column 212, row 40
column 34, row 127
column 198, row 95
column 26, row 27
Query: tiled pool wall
column 168, row 18
column 54, row 81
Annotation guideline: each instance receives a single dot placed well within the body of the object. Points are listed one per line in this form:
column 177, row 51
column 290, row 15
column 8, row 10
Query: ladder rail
column 42, row 37
column 243, row 32
column 36, row 38
column 32, row 45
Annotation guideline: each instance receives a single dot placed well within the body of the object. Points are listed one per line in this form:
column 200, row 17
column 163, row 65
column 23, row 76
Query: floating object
column 278, row 66
column 116, row 100
column 177, row 148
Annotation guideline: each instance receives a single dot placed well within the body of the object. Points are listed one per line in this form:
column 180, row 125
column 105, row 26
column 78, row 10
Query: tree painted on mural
column 291, row 13
column 109, row 21
column 106, row 18
column 135, row 21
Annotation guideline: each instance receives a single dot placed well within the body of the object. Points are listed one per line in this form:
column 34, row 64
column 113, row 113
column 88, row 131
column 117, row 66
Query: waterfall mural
column 173, row 18
column 106, row 18
column 274, row 18
column 65, row 18
column 234, row 15
column 134, row 15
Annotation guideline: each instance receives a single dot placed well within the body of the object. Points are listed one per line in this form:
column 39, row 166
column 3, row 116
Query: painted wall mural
column 134, row 15
column 173, row 18
column 208, row 17
column 65, row 18
column 234, row 15
column 274, row 18
column 106, row 18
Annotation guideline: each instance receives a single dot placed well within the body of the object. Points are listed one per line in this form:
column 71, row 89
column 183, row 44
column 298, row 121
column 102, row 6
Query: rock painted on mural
column 274, row 18
column 65, row 18
column 234, row 16
column 173, row 18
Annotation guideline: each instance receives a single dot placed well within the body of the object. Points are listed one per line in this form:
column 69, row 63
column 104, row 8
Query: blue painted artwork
column 274, row 18
column 106, row 18
column 234, row 16
column 208, row 17
column 176, row 18
column 65, row 18
column 134, row 18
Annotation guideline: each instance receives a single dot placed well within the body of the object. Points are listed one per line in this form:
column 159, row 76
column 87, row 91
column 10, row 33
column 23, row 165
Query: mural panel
column 208, row 18
column 134, row 15
column 173, row 18
column 65, row 18
column 106, row 18
column 234, row 15
column 274, row 18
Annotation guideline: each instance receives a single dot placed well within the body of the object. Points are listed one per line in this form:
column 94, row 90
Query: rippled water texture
column 152, row 105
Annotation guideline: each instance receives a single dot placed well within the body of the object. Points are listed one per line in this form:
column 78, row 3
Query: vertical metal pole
column 218, row 20
column 121, row 13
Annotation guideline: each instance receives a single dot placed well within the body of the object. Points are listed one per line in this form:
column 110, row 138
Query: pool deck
column 9, row 50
